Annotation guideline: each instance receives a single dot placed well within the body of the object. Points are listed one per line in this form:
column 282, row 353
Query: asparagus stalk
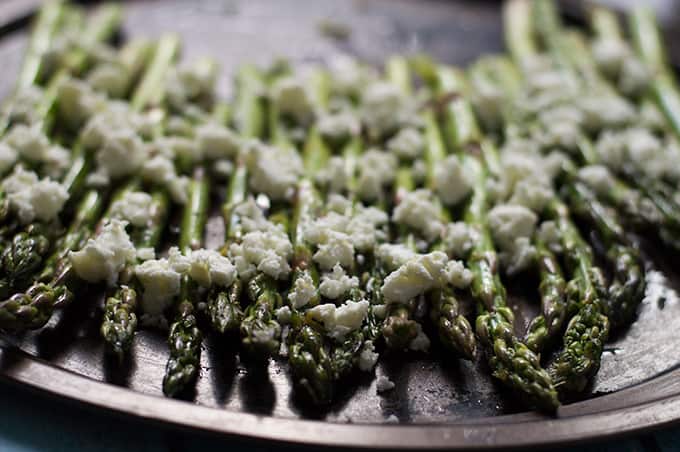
column 184, row 338
column 511, row 361
column 454, row 329
column 119, row 322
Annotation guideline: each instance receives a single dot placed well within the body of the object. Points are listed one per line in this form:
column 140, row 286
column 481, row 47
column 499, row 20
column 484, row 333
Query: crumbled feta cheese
column 384, row 384
column 29, row 141
column 407, row 144
column 377, row 169
column 347, row 75
column 419, row 171
column 223, row 168
column 609, row 55
column 508, row 222
column 380, row 311
column 161, row 170
column 8, row 157
column 416, row 277
column 338, row 203
column 190, row 83
column 459, row 238
column 381, row 108
column 122, row 153
column 459, row 276
column 334, row 176
column 134, row 207
column 395, row 255
column 109, row 78
column 102, row 258
column 77, row 102
column 284, row 315
column 273, row 171
column 518, row 257
column 23, row 108
column 209, row 267
column 161, row 284
column 651, row 117
column 597, row 177
column 146, row 254
column 420, row 211
column 339, row 127
column 532, row 194
column 341, row 320
column 368, row 357
column 267, row 252
column 303, row 291
column 452, row 181
column 216, row 141
column 337, row 249
column 549, row 234
column 606, row 112
column 32, row 198
column 420, row 343
column 336, row 283
column 363, row 227
column 291, row 98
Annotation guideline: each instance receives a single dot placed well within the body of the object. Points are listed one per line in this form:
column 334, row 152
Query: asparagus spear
column 627, row 290
column 184, row 338
column 512, row 362
column 588, row 330
column 454, row 329
column 119, row 322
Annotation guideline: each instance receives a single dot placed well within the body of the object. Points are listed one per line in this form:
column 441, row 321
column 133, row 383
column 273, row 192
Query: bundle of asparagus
column 361, row 213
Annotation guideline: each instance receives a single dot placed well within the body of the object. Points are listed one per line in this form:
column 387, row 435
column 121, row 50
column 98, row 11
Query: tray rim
column 656, row 404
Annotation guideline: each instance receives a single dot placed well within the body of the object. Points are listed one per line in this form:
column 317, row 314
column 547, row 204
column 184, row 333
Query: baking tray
column 439, row 402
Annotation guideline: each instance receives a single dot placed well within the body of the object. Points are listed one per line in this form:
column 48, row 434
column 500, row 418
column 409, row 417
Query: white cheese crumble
column 134, row 207
column 337, row 249
column 122, row 153
column 381, row 108
column 32, row 198
column 459, row 276
column 216, row 141
column 452, row 181
column 549, row 234
column 109, row 78
column 102, row 258
column 415, row 277
column 383, row 384
column 459, row 238
column 303, row 291
column 338, row 127
column 290, row 96
column 597, row 177
column 339, row 321
column 394, row 255
column 518, row 257
column 8, row 157
column 160, row 170
column 377, row 170
column 407, row 144
column 145, row 254
column 209, row 267
column 533, row 194
column 273, row 171
column 368, row 357
column 78, row 102
column 334, row 176
column 161, row 284
column 266, row 252
column 419, row 210
column 336, row 283
column 508, row 222
column 284, row 315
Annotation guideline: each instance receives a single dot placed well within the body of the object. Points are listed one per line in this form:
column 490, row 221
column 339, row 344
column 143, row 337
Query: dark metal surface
column 437, row 401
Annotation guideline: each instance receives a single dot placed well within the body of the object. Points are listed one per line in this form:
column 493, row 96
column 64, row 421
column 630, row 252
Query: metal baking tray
column 439, row 402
